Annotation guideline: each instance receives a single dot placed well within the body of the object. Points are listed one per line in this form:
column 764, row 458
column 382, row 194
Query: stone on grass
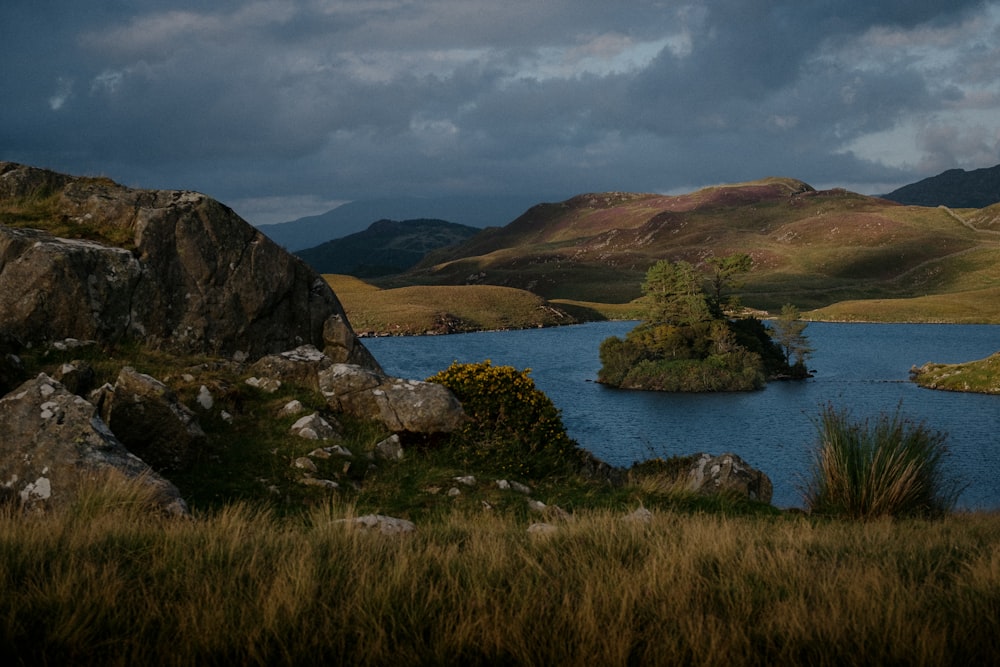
column 314, row 427
column 386, row 525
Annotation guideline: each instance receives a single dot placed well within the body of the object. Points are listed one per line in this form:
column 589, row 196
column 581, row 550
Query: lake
column 860, row 367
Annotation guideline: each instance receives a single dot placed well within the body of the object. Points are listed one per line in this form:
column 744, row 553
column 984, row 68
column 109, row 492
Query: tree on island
column 788, row 332
column 687, row 340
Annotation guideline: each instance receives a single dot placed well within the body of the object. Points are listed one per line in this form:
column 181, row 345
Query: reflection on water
column 862, row 367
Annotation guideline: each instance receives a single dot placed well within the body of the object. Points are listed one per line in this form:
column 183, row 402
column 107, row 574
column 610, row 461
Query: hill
column 356, row 216
column 416, row 310
column 386, row 247
column 955, row 188
column 812, row 248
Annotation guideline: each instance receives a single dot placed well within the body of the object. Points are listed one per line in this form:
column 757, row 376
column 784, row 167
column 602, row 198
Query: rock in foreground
column 174, row 270
column 54, row 443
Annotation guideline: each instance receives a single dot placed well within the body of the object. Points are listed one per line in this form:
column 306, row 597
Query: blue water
column 861, row 367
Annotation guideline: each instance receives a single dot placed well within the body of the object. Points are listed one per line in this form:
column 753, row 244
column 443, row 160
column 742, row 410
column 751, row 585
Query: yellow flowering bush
column 514, row 426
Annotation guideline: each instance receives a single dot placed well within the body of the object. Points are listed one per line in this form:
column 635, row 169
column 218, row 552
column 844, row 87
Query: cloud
column 321, row 100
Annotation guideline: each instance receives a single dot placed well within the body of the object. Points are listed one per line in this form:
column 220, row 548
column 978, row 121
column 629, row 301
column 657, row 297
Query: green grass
column 981, row 376
column 240, row 585
column 967, row 307
column 47, row 211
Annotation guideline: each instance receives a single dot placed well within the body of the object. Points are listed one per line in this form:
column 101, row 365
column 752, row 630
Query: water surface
column 861, row 367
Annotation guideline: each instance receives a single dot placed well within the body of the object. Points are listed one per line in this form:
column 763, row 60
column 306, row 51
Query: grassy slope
column 446, row 309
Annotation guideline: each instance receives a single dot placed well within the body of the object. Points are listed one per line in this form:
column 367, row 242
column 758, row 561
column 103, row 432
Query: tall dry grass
column 888, row 466
column 117, row 585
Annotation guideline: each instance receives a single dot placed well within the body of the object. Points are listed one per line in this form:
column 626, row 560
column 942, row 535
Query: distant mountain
column 955, row 188
column 492, row 211
column 811, row 248
column 386, row 247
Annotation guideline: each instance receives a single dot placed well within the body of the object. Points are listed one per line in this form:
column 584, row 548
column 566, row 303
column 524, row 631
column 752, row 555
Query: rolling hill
column 812, row 248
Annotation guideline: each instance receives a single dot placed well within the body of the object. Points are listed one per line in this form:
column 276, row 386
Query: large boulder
column 401, row 405
column 176, row 270
column 728, row 473
column 54, row 441
column 148, row 418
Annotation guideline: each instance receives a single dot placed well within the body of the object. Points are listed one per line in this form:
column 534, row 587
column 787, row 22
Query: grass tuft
column 889, row 468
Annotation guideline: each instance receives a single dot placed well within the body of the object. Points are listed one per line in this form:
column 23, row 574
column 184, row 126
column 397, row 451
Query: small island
column 981, row 376
column 695, row 336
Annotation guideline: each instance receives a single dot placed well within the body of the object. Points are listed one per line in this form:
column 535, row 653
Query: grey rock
column 641, row 515
column 314, row 427
column 292, row 408
column 541, row 529
column 299, row 367
column 191, row 276
column 511, row 485
column 54, row 442
column 305, row 463
column 323, row 483
column 266, row 385
column 205, row 398
column 728, row 473
column 150, row 421
column 401, row 405
column 390, row 449
column 386, row 525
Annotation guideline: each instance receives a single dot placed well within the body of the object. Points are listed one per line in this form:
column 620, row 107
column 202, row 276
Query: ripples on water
column 862, row 367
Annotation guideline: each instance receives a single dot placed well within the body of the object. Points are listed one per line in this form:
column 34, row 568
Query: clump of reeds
column 889, row 466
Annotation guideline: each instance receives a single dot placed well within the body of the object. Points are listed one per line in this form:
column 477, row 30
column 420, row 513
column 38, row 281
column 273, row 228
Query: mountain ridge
column 955, row 188
column 385, row 247
column 356, row 216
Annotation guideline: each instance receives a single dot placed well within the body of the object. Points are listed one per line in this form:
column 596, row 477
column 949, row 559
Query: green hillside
column 812, row 248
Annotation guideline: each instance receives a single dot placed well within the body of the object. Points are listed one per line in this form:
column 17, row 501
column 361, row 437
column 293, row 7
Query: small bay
column 860, row 367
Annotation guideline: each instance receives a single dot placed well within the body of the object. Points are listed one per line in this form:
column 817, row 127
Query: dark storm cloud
column 313, row 101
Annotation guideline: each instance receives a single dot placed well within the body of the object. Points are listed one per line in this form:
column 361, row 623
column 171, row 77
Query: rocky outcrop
column 728, row 473
column 54, row 442
column 176, row 270
column 149, row 419
column 401, row 405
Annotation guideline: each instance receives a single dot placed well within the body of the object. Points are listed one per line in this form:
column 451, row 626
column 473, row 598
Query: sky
column 286, row 108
